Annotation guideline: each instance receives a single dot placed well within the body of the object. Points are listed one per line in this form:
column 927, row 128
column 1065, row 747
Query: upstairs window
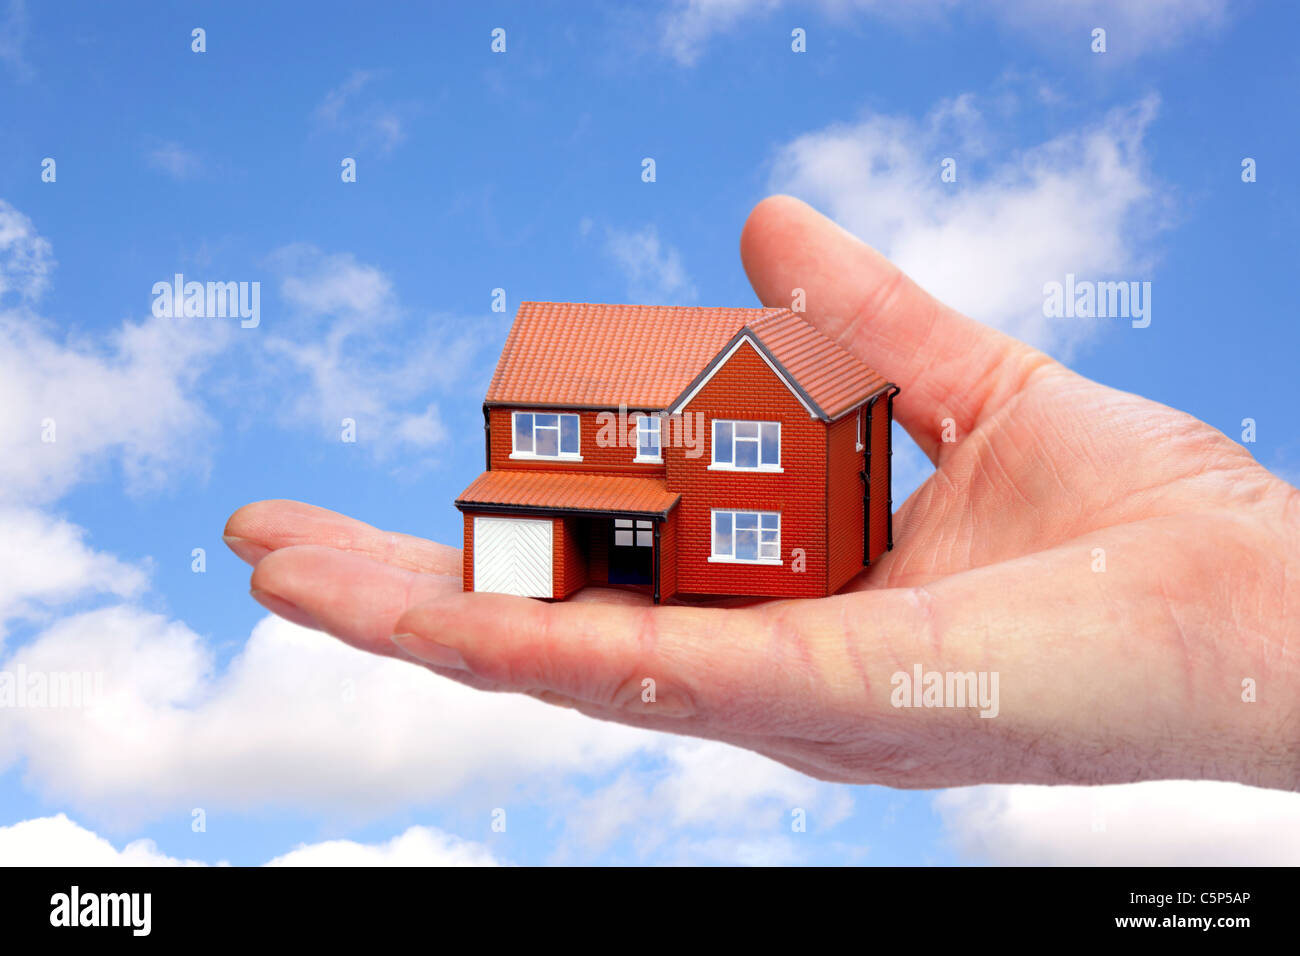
column 540, row 435
column 747, row 445
column 647, row 438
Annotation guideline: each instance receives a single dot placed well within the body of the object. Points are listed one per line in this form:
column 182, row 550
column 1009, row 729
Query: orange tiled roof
column 833, row 378
column 579, row 354
column 568, row 491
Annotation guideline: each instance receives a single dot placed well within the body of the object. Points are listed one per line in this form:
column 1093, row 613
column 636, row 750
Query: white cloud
column 297, row 720
column 690, row 23
column 45, row 562
column 742, row 851
column 735, row 797
column 354, row 353
column 654, row 270
column 418, row 846
column 1163, row 823
column 723, row 786
column 70, row 407
column 26, row 259
column 373, row 124
column 70, row 404
column 334, row 285
column 13, row 34
column 302, row 722
column 1080, row 203
column 331, row 107
column 58, row 841
column 175, row 160
column 1132, row 27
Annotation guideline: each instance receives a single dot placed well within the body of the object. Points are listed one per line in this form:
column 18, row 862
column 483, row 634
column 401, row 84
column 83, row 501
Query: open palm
column 1129, row 573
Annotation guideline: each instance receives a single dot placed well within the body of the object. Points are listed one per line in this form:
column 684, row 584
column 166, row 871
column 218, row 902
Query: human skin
column 1134, row 672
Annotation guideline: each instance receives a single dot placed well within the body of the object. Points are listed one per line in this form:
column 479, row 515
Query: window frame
column 717, row 558
column 531, row 454
column 641, row 531
column 658, row 430
column 762, row 466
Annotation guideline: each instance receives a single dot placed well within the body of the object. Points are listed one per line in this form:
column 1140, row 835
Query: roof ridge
column 766, row 309
column 594, row 355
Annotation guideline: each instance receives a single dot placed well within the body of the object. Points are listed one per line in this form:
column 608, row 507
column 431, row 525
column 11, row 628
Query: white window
column 647, row 438
column 746, row 445
column 543, row 435
column 752, row 537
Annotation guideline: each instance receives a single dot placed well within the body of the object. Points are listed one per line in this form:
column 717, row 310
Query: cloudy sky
column 225, row 735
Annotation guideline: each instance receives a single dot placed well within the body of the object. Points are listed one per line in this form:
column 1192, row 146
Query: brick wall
column 880, row 478
column 819, row 494
column 612, row 459
column 467, row 555
column 844, row 500
column 569, row 571
column 668, row 557
column 568, row 555
column 745, row 388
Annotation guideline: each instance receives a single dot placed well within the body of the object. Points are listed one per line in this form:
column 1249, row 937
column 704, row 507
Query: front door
column 631, row 551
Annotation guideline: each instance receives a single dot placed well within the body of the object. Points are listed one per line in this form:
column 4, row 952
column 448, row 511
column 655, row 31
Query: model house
column 696, row 451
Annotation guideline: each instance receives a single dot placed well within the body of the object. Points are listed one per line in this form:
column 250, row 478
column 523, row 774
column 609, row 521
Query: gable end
column 746, row 334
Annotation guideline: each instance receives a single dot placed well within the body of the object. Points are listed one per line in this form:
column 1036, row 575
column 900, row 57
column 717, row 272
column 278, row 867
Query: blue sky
column 522, row 171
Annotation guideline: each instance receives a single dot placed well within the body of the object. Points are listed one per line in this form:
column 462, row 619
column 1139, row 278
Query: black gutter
column 544, row 511
column 563, row 406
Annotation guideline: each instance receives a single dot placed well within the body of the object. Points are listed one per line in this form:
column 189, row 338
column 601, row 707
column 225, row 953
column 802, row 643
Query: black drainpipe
column 487, row 437
column 889, row 444
column 866, row 482
column 656, row 573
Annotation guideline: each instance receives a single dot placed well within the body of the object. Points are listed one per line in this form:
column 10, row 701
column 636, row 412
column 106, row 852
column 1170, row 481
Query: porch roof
column 567, row 491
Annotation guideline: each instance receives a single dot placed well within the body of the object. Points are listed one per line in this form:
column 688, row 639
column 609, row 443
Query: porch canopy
column 555, row 492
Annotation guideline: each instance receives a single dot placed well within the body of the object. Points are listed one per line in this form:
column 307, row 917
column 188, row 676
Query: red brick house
column 678, row 450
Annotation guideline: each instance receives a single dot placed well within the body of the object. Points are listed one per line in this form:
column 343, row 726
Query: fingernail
column 246, row 550
column 431, row 652
column 279, row 606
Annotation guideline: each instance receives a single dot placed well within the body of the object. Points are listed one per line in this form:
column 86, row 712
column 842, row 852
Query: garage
column 512, row 556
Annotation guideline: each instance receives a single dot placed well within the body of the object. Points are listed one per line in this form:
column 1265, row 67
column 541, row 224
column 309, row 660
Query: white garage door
column 512, row 556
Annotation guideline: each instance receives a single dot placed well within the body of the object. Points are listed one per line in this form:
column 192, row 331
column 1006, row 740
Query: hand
column 1128, row 673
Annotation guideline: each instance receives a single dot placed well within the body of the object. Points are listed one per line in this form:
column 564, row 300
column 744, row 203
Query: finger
column 808, row 683
column 746, row 671
column 948, row 366
column 351, row 596
column 355, row 598
column 257, row 529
